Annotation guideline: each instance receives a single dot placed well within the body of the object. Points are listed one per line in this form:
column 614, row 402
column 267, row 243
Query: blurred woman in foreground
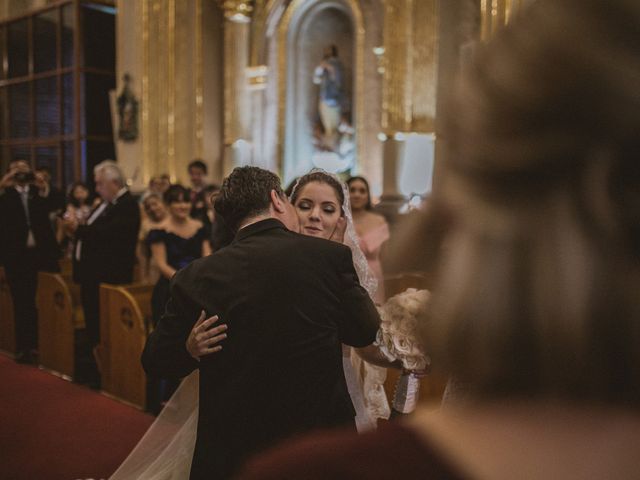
column 536, row 309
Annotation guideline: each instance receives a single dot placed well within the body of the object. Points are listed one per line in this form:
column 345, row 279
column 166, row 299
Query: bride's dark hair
column 320, row 177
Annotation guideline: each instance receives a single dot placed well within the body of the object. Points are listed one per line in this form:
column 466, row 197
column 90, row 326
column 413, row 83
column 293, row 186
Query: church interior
column 460, row 135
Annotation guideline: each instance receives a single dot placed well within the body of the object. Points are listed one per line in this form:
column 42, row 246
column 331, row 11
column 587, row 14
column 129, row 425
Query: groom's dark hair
column 245, row 193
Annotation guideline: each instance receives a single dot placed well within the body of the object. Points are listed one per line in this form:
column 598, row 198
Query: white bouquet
column 398, row 337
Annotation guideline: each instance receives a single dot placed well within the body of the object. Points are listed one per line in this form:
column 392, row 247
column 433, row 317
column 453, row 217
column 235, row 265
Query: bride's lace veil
column 166, row 449
column 366, row 277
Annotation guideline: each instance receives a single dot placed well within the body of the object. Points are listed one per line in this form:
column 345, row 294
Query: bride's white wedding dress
column 166, row 450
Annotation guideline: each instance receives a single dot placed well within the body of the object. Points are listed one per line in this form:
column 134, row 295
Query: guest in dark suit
column 197, row 192
column 105, row 246
column 56, row 196
column 27, row 245
column 290, row 302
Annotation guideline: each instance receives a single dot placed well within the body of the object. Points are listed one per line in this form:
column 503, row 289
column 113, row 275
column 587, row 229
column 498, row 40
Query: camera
column 24, row 177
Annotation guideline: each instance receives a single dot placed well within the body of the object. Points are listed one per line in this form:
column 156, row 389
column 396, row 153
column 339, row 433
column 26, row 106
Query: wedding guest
column 155, row 213
column 175, row 243
column 159, row 184
column 79, row 206
column 54, row 194
column 536, row 309
column 105, row 245
column 372, row 229
column 27, row 245
column 198, row 179
column 209, row 193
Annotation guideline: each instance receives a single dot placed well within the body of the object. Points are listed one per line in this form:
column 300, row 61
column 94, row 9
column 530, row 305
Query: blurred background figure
column 105, row 246
column 56, row 197
column 159, row 184
column 27, row 245
column 154, row 215
column 198, row 180
column 174, row 243
column 536, row 310
column 371, row 227
column 79, row 205
column 220, row 236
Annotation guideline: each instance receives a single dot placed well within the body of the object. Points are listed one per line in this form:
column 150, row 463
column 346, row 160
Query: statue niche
column 320, row 66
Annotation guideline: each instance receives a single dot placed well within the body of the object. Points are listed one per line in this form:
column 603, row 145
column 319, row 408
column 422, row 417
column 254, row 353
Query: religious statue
column 127, row 113
column 329, row 75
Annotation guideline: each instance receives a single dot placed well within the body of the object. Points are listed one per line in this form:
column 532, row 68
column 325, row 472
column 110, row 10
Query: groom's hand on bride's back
column 204, row 338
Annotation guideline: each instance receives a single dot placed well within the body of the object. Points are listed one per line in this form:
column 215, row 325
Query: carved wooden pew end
column 7, row 330
column 59, row 316
column 125, row 311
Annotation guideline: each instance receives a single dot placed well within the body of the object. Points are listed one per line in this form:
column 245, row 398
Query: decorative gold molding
column 237, row 10
column 497, row 13
column 171, row 93
column 283, row 31
column 199, row 82
column 410, row 66
column 146, row 131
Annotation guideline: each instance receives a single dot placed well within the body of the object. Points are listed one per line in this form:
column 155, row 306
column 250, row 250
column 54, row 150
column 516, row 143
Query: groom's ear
column 277, row 202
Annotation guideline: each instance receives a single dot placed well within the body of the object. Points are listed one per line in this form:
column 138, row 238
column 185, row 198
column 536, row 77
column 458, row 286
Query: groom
column 289, row 301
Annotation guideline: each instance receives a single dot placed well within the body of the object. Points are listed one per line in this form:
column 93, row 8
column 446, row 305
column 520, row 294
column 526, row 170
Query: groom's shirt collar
column 261, row 226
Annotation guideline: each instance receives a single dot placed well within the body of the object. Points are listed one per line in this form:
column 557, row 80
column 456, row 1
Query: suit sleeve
column 361, row 320
column 165, row 354
column 125, row 222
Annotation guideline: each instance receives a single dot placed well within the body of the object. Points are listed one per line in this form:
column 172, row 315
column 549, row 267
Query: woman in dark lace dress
column 178, row 241
column 175, row 244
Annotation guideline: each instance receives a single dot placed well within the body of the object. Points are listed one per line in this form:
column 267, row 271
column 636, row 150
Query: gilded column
column 496, row 13
column 410, row 66
column 236, row 59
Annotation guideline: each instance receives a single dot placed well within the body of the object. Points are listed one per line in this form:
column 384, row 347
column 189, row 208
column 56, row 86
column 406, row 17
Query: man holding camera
column 27, row 245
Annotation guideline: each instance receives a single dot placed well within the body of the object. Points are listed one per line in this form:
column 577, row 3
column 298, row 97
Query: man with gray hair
column 104, row 250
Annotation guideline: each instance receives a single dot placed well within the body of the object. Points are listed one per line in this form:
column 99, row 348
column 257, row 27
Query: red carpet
column 51, row 429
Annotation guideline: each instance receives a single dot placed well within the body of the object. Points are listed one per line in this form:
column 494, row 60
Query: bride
column 166, row 450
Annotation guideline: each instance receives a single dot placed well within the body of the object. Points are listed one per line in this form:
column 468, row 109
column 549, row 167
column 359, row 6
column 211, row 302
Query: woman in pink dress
column 372, row 229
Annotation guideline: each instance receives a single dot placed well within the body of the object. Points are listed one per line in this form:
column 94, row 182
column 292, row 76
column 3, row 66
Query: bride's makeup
column 318, row 210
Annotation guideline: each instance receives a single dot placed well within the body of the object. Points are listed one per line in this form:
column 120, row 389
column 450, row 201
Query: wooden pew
column 125, row 313
column 7, row 327
column 432, row 386
column 59, row 316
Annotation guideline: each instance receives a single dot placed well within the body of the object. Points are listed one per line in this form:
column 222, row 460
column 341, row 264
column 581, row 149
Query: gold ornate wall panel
column 236, row 52
column 410, row 66
column 424, row 66
column 172, row 86
column 496, row 13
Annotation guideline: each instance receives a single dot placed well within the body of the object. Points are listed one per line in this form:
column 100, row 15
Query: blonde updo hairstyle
column 539, row 294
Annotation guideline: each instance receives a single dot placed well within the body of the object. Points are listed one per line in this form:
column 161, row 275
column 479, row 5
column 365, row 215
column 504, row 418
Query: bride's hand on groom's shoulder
column 204, row 338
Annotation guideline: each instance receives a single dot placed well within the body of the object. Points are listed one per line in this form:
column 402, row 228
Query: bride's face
column 318, row 210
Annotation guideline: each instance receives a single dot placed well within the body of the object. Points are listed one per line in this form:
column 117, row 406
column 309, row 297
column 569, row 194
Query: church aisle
column 51, row 429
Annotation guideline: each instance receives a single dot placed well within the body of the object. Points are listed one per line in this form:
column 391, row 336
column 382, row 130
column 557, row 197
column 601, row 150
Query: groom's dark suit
column 289, row 301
